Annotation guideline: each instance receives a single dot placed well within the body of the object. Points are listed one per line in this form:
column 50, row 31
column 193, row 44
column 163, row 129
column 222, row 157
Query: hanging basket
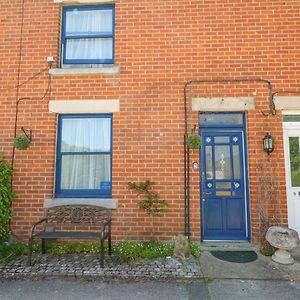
column 21, row 142
column 194, row 141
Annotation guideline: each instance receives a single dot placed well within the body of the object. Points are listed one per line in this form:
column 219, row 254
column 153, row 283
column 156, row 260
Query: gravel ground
column 86, row 265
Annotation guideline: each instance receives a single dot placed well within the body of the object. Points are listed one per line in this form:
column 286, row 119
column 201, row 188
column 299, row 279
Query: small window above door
column 220, row 119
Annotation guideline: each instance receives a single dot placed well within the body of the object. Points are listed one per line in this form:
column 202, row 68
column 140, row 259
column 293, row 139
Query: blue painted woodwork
column 224, row 186
column 105, row 187
column 65, row 37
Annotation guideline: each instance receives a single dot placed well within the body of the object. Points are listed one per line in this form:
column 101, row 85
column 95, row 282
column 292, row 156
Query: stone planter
column 284, row 239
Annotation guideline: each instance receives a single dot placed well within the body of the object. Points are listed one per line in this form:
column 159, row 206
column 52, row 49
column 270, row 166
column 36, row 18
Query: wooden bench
column 71, row 222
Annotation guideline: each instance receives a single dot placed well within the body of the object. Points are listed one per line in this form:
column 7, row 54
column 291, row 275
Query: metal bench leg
column 101, row 253
column 29, row 252
column 109, row 244
column 43, row 246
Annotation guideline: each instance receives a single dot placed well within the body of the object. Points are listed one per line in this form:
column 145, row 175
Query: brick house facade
column 158, row 47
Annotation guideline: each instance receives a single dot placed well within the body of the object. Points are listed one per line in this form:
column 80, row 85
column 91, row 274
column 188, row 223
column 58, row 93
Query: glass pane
column 222, row 139
column 223, row 185
column 101, row 48
column 222, row 162
column 291, row 118
column 208, row 161
column 86, row 135
column 220, row 119
column 89, row 22
column 236, row 162
column 85, row 171
column 294, row 160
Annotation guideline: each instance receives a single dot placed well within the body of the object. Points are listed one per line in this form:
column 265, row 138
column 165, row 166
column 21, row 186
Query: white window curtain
column 89, row 48
column 79, row 169
column 89, row 23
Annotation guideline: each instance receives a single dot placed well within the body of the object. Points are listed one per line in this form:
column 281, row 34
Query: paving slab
column 238, row 289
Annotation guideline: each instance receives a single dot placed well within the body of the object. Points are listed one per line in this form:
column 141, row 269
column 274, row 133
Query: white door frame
column 288, row 129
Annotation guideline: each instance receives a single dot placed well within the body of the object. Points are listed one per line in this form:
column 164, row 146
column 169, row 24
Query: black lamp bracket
column 193, row 130
column 27, row 132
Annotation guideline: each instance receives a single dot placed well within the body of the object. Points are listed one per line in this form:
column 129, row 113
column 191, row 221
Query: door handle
column 207, row 193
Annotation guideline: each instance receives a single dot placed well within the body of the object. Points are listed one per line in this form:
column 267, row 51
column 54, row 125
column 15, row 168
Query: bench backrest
column 78, row 215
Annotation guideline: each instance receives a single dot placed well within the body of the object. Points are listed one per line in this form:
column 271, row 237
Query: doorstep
column 227, row 246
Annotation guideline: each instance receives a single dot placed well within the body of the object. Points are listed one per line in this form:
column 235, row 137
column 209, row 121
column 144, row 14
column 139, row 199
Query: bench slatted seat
column 70, row 222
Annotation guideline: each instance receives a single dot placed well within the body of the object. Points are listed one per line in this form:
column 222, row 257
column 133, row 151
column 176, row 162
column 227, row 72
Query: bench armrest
column 103, row 225
column 34, row 225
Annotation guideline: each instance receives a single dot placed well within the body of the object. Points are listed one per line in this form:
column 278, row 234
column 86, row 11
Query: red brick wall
column 159, row 46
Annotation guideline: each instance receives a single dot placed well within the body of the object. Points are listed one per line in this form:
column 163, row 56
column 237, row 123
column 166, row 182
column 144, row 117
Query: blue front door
column 223, row 184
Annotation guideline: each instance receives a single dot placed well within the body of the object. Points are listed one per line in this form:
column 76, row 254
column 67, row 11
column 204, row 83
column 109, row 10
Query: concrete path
column 179, row 290
column 262, row 268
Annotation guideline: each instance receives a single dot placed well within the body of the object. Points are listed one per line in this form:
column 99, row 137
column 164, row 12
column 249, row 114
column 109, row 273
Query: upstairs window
column 84, row 150
column 88, row 35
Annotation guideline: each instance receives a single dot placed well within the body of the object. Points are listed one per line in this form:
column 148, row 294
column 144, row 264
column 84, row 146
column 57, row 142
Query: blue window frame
column 88, row 34
column 84, row 156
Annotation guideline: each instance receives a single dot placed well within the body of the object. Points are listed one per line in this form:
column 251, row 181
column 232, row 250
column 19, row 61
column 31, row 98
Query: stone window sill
column 85, row 71
column 101, row 202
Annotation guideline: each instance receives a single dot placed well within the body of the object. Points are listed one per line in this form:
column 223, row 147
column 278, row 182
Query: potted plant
column 194, row 141
column 21, row 142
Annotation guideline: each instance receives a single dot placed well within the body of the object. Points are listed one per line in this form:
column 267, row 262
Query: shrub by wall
column 6, row 197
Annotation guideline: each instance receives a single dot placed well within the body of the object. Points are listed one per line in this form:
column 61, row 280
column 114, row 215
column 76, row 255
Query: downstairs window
column 84, row 156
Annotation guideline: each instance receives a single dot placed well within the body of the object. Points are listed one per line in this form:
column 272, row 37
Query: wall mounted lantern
column 268, row 143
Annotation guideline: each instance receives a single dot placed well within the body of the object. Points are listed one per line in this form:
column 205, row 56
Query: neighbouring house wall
column 159, row 46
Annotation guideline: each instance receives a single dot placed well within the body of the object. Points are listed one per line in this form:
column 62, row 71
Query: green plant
column 6, row 197
column 194, row 141
column 122, row 251
column 153, row 205
column 267, row 250
column 70, row 248
column 195, row 250
column 10, row 251
column 21, row 142
column 207, row 280
column 132, row 251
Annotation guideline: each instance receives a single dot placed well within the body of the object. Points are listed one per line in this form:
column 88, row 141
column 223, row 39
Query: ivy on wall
column 152, row 204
